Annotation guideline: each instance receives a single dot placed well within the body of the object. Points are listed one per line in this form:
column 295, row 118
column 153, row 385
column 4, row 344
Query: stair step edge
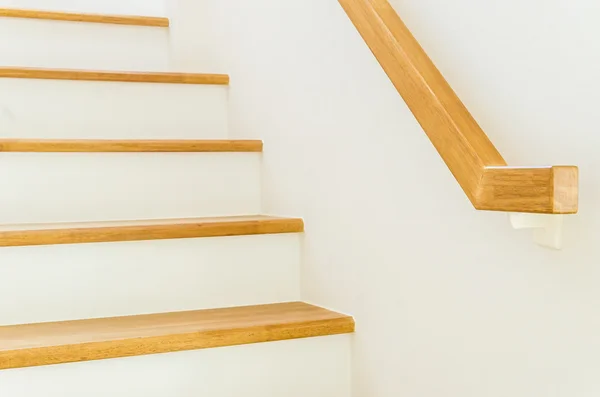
column 134, row 20
column 95, row 339
column 16, row 72
column 127, row 146
column 159, row 229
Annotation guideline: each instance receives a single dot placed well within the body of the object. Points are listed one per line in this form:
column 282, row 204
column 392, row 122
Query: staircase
column 132, row 261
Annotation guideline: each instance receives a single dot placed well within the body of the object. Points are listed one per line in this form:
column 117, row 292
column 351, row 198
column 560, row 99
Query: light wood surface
column 89, row 145
column 132, row 77
column 78, row 17
column 565, row 181
column 159, row 229
column 460, row 141
column 537, row 190
column 95, row 339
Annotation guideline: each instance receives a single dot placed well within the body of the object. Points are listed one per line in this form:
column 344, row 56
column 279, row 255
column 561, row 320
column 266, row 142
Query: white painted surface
column 78, row 187
column 111, row 110
column 125, row 7
column 67, row 282
column 195, row 44
column 449, row 301
column 76, row 45
column 316, row 367
column 547, row 229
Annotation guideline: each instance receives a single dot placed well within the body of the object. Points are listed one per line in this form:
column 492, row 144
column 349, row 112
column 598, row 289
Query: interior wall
column 127, row 7
column 448, row 301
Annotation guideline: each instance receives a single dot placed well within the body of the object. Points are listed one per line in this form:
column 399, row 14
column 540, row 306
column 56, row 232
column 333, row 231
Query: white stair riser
column 315, row 367
column 77, row 45
column 128, row 7
column 31, row 108
column 78, row 187
column 69, row 282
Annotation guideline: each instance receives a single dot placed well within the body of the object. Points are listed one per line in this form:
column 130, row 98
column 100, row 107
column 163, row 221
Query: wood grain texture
column 536, row 190
column 453, row 131
column 95, row 339
column 162, row 229
column 131, row 77
column 566, row 189
column 120, row 146
column 460, row 141
column 78, row 17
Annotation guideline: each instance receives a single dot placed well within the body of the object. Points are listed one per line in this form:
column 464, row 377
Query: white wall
column 128, row 7
column 448, row 301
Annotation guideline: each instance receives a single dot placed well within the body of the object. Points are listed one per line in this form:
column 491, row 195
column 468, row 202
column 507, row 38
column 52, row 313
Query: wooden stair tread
column 156, row 229
column 95, row 145
column 136, row 20
column 94, row 339
column 122, row 76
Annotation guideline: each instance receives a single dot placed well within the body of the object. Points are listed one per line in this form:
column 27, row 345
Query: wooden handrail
column 467, row 151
